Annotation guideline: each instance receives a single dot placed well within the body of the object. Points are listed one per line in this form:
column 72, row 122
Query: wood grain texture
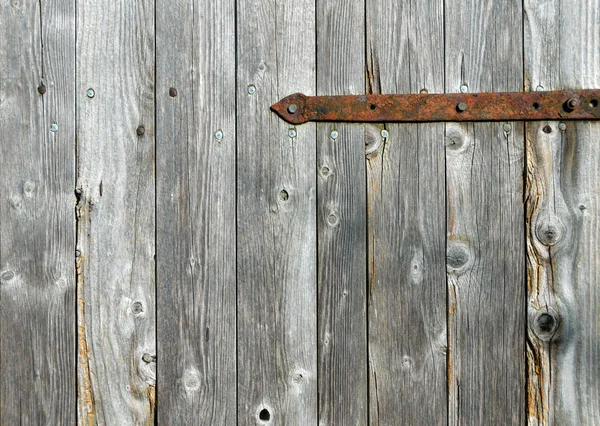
column 276, row 217
column 196, row 258
column 406, row 193
column 115, row 236
column 485, row 241
column 37, row 224
column 341, row 221
column 562, row 50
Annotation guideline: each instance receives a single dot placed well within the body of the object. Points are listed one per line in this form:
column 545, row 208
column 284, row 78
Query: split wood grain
column 37, row 224
column 562, row 50
column 276, row 216
column 195, row 155
column 406, row 194
column 341, row 221
column 115, row 213
column 485, row 241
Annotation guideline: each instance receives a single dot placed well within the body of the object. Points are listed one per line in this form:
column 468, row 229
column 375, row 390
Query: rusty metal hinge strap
column 508, row 106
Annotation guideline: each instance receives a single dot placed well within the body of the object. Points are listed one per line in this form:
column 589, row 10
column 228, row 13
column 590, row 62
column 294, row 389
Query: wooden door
column 172, row 252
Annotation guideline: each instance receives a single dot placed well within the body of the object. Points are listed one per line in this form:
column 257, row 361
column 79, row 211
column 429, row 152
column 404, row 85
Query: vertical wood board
column 485, row 241
column 37, row 223
column 196, row 140
column 562, row 51
column 276, row 226
column 341, row 221
column 406, row 194
column 115, row 212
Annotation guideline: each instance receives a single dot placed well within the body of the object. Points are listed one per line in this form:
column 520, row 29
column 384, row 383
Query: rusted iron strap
column 516, row 106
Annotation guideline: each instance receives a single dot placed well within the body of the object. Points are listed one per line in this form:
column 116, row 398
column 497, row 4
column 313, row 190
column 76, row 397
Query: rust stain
column 151, row 396
column 85, row 391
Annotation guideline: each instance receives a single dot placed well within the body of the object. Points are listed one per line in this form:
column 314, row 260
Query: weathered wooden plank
column 406, row 193
column 485, row 241
column 276, row 216
column 196, row 140
column 562, row 50
column 341, row 221
column 37, row 226
column 115, row 225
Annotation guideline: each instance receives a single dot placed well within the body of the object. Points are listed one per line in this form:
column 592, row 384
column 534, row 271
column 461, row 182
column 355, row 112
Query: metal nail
column 384, row 134
column 172, row 92
column 53, row 127
column 464, row 88
column 292, row 133
column 292, row 108
column 41, row 89
column 562, row 126
column 91, row 93
column 251, row 89
column 462, row 106
column 334, row 134
column 219, row 135
column 507, row 128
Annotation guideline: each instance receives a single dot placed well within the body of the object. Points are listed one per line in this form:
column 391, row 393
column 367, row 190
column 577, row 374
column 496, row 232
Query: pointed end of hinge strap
column 292, row 108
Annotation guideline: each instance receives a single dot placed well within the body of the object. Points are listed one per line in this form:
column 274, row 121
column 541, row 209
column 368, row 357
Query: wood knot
column 549, row 231
column 545, row 324
column 264, row 414
column 458, row 257
column 191, row 380
column 456, row 137
column 7, row 275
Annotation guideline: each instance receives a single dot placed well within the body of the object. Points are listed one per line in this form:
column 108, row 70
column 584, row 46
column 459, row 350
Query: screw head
column 464, row 88
column 539, row 89
column 334, row 134
column 90, row 93
column 172, row 92
column 562, row 126
column 462, row 106
column 292, row 109
column 219, row 135
column 41, row 89
column 507, row 128
column 53, row 127
column 571, row 104
column 251, row 89
column 292, row 133
column 384, row 133
column 140, row 131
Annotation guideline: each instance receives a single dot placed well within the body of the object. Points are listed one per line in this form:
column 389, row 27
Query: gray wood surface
column 196, row 140
column 115, row 235
column 37, row 225
column 341, row 221
column 562, row 51
column 485, row 241
column 276, row 217
column 407, row 281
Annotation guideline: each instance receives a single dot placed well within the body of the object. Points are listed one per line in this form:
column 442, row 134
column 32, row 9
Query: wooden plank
column 115, row 212
column 196, row 212
column 485, row 241
column 37, row 226
column 562, row 50
column 341, row 221
column 406, row 193
column 276, row 210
